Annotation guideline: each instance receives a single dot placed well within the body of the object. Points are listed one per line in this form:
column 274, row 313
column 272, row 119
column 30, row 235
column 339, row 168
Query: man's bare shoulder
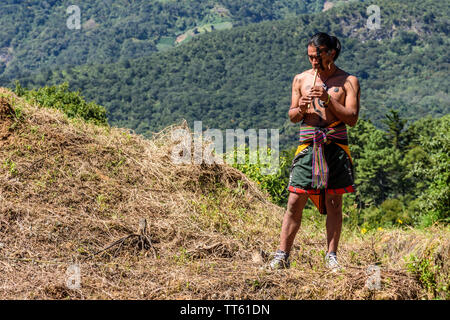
column 347, row 76
column 350, row 84
column 351, row 81
column 305, row 74
column 344, row 79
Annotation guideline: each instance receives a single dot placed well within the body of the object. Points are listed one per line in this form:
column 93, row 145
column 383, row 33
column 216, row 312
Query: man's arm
column 294, row 111
column 348, row 112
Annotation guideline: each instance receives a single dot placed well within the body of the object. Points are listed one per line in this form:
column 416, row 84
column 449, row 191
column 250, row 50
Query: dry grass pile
column 139, row 226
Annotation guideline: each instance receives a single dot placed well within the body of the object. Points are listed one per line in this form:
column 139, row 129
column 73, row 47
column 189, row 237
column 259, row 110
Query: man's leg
column 333, row 203
column 292, row 220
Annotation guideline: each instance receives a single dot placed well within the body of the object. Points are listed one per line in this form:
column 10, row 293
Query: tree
column 395, row 126
column 435, row 200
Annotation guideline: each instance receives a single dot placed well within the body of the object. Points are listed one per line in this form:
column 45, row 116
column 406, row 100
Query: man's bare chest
column 334, row 88
column 318, row 113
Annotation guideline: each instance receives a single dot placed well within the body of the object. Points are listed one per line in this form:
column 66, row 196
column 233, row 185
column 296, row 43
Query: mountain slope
column 35, row 35
column 242, row 78
column 75, row 194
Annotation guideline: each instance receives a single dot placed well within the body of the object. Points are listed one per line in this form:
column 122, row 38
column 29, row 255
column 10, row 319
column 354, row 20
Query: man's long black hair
column 323, row 39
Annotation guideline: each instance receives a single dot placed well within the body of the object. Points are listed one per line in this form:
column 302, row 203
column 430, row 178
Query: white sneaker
column 280, row 261
column 331, row 262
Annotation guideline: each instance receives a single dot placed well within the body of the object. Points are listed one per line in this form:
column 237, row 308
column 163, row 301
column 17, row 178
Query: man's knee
column 296, row 203
column 334, row 203
column 291, row 208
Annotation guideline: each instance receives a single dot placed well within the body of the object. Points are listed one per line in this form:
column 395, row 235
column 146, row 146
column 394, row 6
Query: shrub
column 71, row 103
column 276, row 182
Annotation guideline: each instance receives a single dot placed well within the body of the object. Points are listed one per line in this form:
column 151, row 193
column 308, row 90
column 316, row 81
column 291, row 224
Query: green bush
column 435, row 199
column 71, row 103
column 371, row 217
column 393, row 213
column 428, row 270
column 275, row 183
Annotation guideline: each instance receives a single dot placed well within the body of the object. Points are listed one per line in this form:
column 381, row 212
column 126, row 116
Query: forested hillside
column 241, row 78
column 34, row 35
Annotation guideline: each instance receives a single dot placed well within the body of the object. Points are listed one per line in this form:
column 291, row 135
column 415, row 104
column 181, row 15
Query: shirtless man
column 322, row 168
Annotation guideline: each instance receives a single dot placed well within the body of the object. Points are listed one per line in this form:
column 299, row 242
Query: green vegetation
column 34, row 36
column 241, row 78
column 272, row 178
column 402, row 184
column 435, row 170
column 428, row 270
column 71, row 103
column 398, row 185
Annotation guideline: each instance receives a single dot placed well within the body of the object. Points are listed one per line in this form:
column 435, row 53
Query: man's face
column 313, row 58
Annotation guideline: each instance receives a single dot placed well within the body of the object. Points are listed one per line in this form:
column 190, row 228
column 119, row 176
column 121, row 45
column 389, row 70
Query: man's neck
column 326, row 73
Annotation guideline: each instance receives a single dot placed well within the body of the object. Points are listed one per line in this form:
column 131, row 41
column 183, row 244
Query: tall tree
column 395, row 125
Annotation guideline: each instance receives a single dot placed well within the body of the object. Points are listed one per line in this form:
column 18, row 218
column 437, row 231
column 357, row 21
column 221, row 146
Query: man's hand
column 303, row 104
column 318, row 92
